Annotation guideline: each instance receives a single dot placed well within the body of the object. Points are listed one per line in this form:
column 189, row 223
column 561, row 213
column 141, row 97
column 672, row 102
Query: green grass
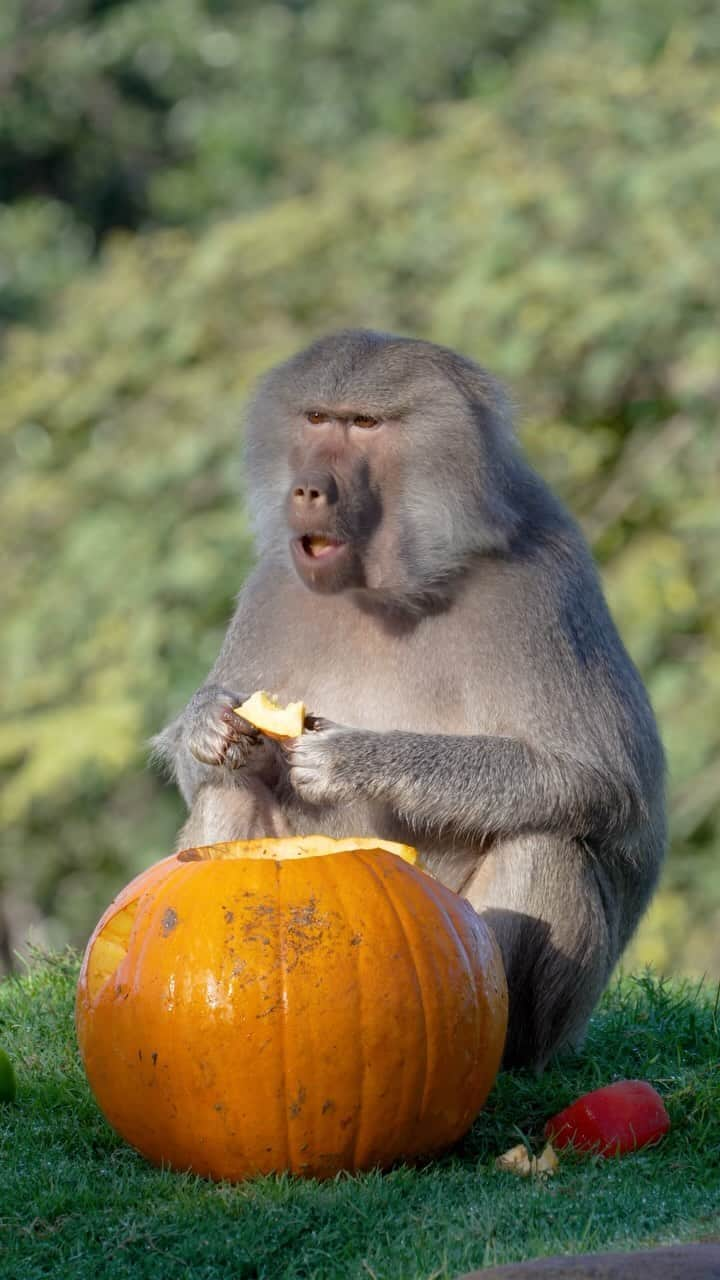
column 77, row 1203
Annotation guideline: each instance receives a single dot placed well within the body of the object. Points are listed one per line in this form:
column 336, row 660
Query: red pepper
column 611, row 1121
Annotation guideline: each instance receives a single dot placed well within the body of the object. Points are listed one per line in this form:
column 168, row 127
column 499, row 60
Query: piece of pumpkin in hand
column 264, row 711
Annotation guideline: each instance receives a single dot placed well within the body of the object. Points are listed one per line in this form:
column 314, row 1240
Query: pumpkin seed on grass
column 76, row 1201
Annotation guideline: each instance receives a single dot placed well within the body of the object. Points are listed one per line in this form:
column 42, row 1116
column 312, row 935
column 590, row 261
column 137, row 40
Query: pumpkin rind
column 328, row 1013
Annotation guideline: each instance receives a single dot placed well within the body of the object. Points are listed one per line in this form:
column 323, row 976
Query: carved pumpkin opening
column 110, row 948
column 291, row 847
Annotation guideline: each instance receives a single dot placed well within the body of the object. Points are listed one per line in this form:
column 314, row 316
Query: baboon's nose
column 314, row 491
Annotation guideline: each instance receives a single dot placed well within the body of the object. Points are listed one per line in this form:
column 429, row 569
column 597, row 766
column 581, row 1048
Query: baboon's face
column 366, row 455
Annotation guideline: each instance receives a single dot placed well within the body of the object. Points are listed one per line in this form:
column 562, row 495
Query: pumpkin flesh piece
column 265, row 712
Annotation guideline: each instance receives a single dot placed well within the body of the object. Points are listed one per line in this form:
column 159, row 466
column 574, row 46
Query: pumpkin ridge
column 438, row 895
column 421, row 883
column 460, row 940
column 361, row 1027
column 177, row 883
column 421, row 991
column 481, row 1001
column 453, row 928
column 314, row 1144
column 282, row 1039
column 382, row 882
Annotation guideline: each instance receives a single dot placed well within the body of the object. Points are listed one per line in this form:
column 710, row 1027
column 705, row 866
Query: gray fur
column 477, row 700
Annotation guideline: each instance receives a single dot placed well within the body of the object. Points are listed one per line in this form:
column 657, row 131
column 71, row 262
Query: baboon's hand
column 215, row 734
column 321, row 763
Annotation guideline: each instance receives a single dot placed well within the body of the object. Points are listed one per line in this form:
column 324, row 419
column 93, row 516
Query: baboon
column 437, row 609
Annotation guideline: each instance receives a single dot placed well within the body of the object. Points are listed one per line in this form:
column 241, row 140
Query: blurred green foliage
column 130, row 113
column 561, row 224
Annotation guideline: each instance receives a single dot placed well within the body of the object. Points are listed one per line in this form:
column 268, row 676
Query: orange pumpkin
column 258, row 1006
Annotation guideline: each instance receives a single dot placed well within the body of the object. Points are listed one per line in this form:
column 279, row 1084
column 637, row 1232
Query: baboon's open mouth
column 322, row 562
column 318, row 547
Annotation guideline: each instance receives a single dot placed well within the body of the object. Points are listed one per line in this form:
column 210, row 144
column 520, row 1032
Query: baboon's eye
column 364, row 420
column 316, row 416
